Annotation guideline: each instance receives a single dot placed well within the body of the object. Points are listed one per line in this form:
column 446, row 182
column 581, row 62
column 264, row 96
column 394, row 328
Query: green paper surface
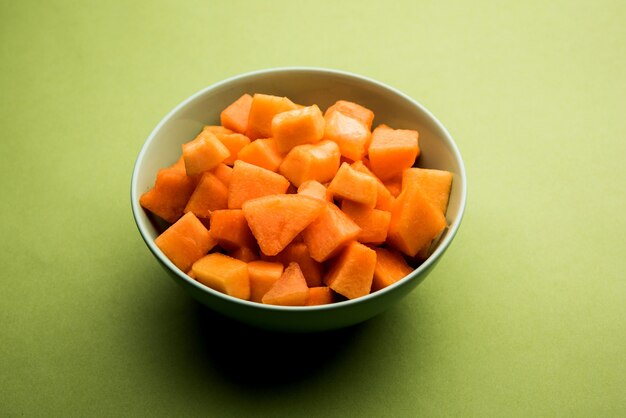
column 525, row 315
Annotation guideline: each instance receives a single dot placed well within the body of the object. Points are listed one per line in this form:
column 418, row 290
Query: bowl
column 305, row 86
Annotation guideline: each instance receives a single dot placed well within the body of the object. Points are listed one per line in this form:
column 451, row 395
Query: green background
column 524, row 316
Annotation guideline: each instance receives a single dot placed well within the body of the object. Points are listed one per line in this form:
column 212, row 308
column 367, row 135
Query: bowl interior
column 304, row 86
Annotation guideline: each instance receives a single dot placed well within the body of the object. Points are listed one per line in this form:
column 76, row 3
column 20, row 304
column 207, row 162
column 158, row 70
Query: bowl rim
column 432, row 259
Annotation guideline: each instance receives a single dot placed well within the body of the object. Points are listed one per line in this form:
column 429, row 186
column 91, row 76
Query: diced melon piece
column 353, row 185
column 289, row 290
column 350, row 134
column 319, row 295
column 263, row 275
column 392, row 150
column 435, row 184
column 224, row 274
column 329, row 233
column 210, row 194
column 297, row 127
column 374, row 223
column 390, row 267
column 262, row 110
column 262, row 152
column 230, row 229
column 311, row 162
column 354, row 110
column 276, row 220
column 352, row 273
column 185, row 242
column 249, row 181
column 203, row 153
column 415, row 222
column 235, row 116
column 168, row 197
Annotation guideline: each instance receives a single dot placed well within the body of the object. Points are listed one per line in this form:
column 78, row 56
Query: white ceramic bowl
column 305, row 86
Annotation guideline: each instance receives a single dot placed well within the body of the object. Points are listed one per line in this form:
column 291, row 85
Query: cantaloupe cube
column 353, row 185
column 298, row 127
column 230, row 229
column 415, row 222
column 289, row 290
column 352, row 273
column 390, row 267
column 185, row 242
column 263, row 275
column 319, row 295
column 374, row 223
column 350, row 134
column 249, row 181
column 210, row 194
column 262, row 110
column 262, row 152
column 311, row 162
column 384, row 199
column 224, row 274
column 168, row 197
column 235, row 116
column 354, row 110
column 435, row 184
column 204, row 153
column 314, row 188
column 234, row 142
column 392, row 150
column 327, row 234
column 298, row 252
column 275, row 220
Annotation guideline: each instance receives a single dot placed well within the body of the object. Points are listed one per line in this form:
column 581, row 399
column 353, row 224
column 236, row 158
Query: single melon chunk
column 392, row 150
column 435, row 184
column 224, row 274
column 185, row 241
column 353, row 185
column 262, row 152
column 289, row 290
column 204, row 153
column 297, row 127
column 353, row 271
column 230, row 229
column 276, row 220
column 311, row 162
column 235, row 116
column 390, row 267
column 263, row 275
column 210, row 194
column 415, row 222
column 327, row 234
